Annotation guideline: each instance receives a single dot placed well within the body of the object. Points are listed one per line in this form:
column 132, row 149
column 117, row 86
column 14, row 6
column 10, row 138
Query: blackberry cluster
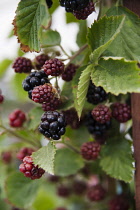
column 101, row 114
column 53, row 124
column 22, row 65
column 49, row 3
column 53, row 67
column 121, row 112
column 6, row 157
column 29, row 169
column 119, row 202
column 71, row 5
column 40, row 60
column 52, row 105
column 72, row 118
column 63, row 191
column 90, row 150
column 85, row 12
column 95, row 127
column 96, row 193
column 1, row 97
column 24, row 152
column 69, row 72
column 79, row 187
column 17, row 118
column 36, row 78
column 96, row 95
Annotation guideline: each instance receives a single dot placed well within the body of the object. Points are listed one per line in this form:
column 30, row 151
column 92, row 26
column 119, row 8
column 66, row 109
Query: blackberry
column 6, row 157
column 1, row 97
column 53, row 124
column 96, row 95
column 17, row 118
column 49, row 3
column 53, row 67
column 90, row 150
column 52, row 105
column 72, row 118
column 22, row 65
column 53, row 178
column 29, row 169
column 101, row 114
column 119, row 202
column 69, row 72
column 101, row 139
column 71, row 5
column 95, row 127
column 43, row 93
column 24, row 152
column 96, row 193
column 85, row 12
column 36, row 78
column 121, row 112
column 40, row 60
column 79, row 187
column 63, row 191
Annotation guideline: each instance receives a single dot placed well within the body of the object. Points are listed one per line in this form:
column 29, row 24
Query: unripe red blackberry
column 101, row 139
column 101, row 114
column 6, row 157
column 90, row 150
column 49, row 3
column 79, row 187
column 24, row 152
column 40, row 60
column 17, row 118
column 119, row 202
column 63, row 191
column 69, row 72
column 43, row 93
column 53, row 178
column 53, row 67
column 71, row 5
column 22, row 65
column 52, row 105
column 29, row 169
column 96, row 95
column 52, row 125
column 72, row 118
column 121, row 112
column 96, row 193
column 84, row 13
column 1, row 97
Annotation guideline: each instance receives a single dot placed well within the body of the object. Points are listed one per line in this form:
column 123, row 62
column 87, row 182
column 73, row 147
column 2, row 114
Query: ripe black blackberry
column 52, row 105
column 96, row 95
column 121, row 112
column 90, row 150
column 53, row 124
column 35, row 78
column 63, row 191
column 72, row 118
column 49, row 3
column 85, row 12
column 119, row 202
column 95, row 127
column 96, row 193
column 69, row 72
column 22, row 65
column 29, row 169
column 40, row 60
column 25, row 151
column 79, row 187
column 17, row 118
column 101, row 114
column 53, row 67
column 71, row 5
column 43, row 93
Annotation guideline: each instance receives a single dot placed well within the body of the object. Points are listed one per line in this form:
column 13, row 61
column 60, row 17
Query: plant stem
column 69, row 146
column 64, row 51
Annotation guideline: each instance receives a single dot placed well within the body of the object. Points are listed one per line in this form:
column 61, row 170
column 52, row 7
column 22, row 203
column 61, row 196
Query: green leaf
column 30, row 16
column 117, row 76
column 50, row 38
column 70, row 18
column 4, row 65
column 102, row 33
column 44, row 157
column 21, row 191
column 81, row 36
column 67, row 162
column 34, row 116
column 83, row 88
column 126, row 44
column 116, row 159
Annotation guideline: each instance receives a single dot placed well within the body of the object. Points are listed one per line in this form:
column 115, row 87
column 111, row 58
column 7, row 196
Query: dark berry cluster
column 72, row 118
column 40, row 60
column 53, row 67
column 96, row 95
column 101, row 114
column 24, row 152
column 96, row 193
column 121, row 112
column 1, row 97
column 71, row 5
column 90, row 150
column 79, row 187
column 69, row 72
column 22, row 65
column 119, row 202
column 6, row 157
column 85, row 12
column 53, row 124
column 95, row 127
column 52, row 105
column 36, row 78
column 63, row 191
column 17, row 118
column 29, row 169
column 49, row 3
